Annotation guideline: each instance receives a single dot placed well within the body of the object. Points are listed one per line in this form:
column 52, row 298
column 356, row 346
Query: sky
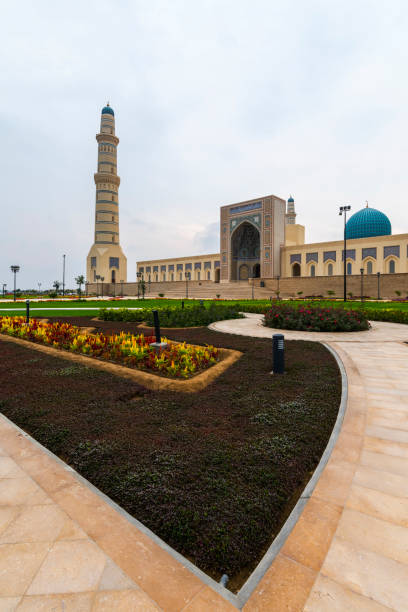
column 215, row 102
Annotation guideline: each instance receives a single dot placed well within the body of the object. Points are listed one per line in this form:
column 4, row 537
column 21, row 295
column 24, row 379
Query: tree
column 56, row 285
column 80, row 280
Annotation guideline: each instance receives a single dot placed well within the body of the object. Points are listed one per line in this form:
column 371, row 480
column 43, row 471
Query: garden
column 214, row 473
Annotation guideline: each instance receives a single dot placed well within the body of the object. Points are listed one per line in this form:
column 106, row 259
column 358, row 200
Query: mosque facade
column 259, row 239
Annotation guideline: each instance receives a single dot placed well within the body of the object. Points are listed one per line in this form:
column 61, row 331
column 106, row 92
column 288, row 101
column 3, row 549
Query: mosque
column 260, row 242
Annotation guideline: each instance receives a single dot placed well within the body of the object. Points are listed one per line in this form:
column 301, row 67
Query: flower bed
column 312, row 318
column 178, row 360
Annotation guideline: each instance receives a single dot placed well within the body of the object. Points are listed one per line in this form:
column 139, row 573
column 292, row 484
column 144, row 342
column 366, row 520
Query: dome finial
column 366, row 203
column 107, row 104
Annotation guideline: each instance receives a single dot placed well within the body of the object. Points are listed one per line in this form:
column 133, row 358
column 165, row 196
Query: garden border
column 150, row 381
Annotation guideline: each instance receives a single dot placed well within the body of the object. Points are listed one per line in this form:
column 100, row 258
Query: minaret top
column 107, row 110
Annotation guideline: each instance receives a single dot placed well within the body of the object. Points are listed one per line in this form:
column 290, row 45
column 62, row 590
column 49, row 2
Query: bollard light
column 278, row 352
column 158, row 345
column 27, row 311
column 182, row 303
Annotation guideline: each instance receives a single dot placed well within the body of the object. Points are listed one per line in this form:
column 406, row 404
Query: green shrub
column 310, row 318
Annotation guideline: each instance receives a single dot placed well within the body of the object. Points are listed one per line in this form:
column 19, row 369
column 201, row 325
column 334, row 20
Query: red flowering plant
column 307, row 317
column 178, row 360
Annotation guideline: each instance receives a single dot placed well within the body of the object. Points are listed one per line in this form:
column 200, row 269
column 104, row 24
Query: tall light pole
column 343, row 211
column 15, row 269
column 102, row 279
column 4, row 289
column 139, row 276
column 362, row 284
column 39, row 287
column 63, row 275
column 187, row 279
column 378, row 286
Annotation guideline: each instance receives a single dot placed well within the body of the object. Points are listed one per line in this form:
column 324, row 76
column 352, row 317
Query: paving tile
column 35, row 524
column 348, row 447
column 285, row 587
column 386, row 463
column 311, row 537
column 393, row 484
column 9, row 468
column 15, row 491
column 18, row 565
column 329, row 596
column 387, row 433
column 113, row 579
column 354, row 421
column 7, row 515
column 146, row 564
column 77, row 602
column 368, row 574
column 69, row 567
column 207, row 599
column 381, row 505
column 123, row 601
column 71, row 531
column 39, row 497
column 335, row 481
column 49, row 474
column 383, row 417
column 374, row 534
column 9, row 604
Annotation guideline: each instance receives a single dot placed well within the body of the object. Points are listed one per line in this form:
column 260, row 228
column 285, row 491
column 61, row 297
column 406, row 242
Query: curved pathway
column 349, row 548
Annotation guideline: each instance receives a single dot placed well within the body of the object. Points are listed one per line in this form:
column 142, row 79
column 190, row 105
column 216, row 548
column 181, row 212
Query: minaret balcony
column 107, row 138
column 106, row 177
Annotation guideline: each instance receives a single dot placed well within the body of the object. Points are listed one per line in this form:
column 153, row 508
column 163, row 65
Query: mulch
column 214, row 473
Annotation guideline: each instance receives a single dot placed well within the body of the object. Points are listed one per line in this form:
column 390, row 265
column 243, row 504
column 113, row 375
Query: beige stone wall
column 379, row 263
column 294, row 234
column 200, row 267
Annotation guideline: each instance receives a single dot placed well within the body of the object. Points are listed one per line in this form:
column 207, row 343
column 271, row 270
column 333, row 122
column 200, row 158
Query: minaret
column 106, row 258
column 291, row 214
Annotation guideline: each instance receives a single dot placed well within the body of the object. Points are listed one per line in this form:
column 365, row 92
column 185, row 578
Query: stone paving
column 64, row 548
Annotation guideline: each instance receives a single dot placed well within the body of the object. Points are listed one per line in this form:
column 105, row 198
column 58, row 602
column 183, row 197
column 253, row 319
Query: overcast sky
column 215, row 102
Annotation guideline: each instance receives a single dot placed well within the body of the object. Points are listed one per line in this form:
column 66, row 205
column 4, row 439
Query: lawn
column 214, row 473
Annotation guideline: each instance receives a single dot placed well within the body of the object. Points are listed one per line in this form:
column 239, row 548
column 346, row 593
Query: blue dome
column 290, row 199
column 368, row 222
column 107, row 110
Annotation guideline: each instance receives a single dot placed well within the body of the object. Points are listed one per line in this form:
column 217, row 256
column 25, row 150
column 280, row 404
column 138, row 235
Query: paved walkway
column 65, row 548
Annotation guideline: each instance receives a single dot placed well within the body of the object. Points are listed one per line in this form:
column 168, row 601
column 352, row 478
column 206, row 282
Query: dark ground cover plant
column 309, row 317
column 213, row 473
column 192, row 315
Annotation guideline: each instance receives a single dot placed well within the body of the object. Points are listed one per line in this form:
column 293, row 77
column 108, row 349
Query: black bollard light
column 182, row 303
column 278, row 352
column 157, row 326
column 27, row 311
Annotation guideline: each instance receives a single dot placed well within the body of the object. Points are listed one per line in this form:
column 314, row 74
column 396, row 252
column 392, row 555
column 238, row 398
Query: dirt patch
column 213, row 473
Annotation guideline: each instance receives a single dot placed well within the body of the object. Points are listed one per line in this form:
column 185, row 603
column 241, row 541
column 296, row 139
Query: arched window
column 369, row 267
column 391, row 267
column 296, row 269
column 330, row 269
column 312, row 271
column 349, row 268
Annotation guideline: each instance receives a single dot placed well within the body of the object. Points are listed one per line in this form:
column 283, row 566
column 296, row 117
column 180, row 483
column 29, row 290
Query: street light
column 362, row 285
column 4, row 289
column 278, row 290
column 378, row 286
column 188, row 275
column 63, row 275
column 15, row 269
column 102, row 279
column 39, row 287
column 253, row 280
column 139, row 275
column 343, row 211
column 97, row 277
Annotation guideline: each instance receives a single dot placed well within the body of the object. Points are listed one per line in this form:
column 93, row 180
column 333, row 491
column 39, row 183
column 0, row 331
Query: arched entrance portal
column 245, row 247
column 296, row 269
column 217, row 275
column 256, row 271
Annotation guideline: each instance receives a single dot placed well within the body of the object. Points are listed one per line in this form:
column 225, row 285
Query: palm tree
column 56, row 285
column 80, row 280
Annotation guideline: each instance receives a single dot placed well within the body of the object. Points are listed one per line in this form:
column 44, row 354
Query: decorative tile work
column 254, row 219
column 141, row 269
column 207, row 265
column 329, row 255
column 245, row 207
column 148, row 269
column 93, row 262
column 369, row 252
column 113, row 262
column 188, row 266
column 350, row 254
column 162, row 268
column 312, row 257
column 179, row 266
column 297, row 257
column 391, row 250
column 197, row 265
column 216, row 264
column 171, row 268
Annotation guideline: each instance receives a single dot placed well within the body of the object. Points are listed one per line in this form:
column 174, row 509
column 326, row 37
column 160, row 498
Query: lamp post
column 97, row 277
column 343, row 211
column 139, row 275
column 121, row 288
column 362, row 284
column 63, row 275
column 278, row 290
column 86, row 288
column 15, row 269
column 378, row 286
column 39, row 287
column 102, row 279
column 187, row 274
column 253, row 280
column 4, row 289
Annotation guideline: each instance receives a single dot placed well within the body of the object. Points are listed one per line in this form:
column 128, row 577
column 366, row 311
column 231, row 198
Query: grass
column 213, row 473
